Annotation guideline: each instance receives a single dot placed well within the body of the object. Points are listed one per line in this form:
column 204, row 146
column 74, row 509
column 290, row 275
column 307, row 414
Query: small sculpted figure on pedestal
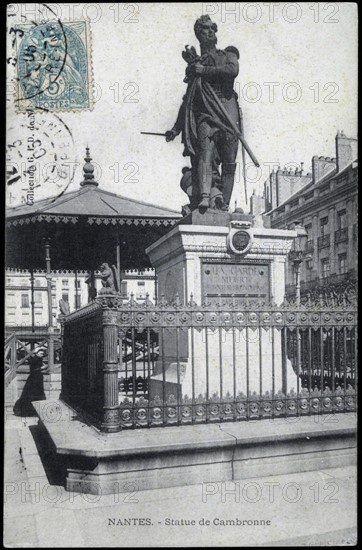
column 109, row 279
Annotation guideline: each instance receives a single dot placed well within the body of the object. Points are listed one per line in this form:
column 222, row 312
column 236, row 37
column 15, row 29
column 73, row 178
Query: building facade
column 21, row 295
column 324, row 202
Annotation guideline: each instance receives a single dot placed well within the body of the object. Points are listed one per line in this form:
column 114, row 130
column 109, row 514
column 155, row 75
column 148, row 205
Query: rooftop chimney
column 344, row 151
column 321, row 166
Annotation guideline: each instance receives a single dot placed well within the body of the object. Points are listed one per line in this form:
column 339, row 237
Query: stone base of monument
column 213, row 218
column 266, row 371
column 169, row 384
column 200, row 257
column 136, row 460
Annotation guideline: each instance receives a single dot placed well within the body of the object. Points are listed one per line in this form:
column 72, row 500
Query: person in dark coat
column 34, row 386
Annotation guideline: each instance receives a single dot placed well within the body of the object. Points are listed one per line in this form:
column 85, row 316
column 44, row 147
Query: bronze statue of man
column 209, row 118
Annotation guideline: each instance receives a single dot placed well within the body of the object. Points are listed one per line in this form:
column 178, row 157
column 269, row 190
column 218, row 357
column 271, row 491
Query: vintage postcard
column 181, row 274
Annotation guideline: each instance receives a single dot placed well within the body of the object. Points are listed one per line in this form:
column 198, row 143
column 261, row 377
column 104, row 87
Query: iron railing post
column 13, row 353
column 111, row 412
column 50, row 306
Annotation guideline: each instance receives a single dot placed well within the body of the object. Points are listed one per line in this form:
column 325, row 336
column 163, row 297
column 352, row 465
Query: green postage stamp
column 53, row 66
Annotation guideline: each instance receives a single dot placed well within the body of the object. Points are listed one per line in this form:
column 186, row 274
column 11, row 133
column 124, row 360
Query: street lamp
column 48, row 277
column 297, row 255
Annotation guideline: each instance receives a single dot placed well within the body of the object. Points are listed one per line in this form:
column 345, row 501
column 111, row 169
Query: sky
column 297, row 86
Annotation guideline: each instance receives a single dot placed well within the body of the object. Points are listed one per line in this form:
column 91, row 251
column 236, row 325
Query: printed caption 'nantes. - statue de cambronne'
column 209, row 119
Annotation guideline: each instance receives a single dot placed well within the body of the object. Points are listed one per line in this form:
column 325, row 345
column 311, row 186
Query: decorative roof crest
column 88, row 170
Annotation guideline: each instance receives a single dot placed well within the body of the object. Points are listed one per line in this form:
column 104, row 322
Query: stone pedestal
column 232, row 261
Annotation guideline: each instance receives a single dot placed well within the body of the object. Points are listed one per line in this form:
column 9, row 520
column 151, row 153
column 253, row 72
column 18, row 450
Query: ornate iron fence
column 82, row 360
column 324, row 241
column 144, row 365
column 336, row 289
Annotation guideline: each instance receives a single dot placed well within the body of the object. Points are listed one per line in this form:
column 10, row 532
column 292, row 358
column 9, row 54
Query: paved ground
column 308, row 509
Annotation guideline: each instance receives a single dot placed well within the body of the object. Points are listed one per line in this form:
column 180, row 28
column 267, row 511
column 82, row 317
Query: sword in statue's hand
column 170, row 135
column 152, row 134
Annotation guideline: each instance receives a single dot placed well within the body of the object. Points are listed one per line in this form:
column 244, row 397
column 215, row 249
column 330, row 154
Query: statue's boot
column 205, row 201
column 227, row 181
column 205, row 180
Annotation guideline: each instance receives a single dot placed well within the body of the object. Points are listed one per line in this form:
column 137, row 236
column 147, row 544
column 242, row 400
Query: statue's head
column 205, row 30
column 104, row 267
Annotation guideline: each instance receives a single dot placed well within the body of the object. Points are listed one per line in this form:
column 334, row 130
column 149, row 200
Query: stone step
column 188, row 455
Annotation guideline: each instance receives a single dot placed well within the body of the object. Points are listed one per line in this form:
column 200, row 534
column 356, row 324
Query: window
column 309, row 264
column 341, row 219
column 25, row 300
column 54, row 285
column 324, row 223
column 326, row 267
column 78, row 301
column 124, row 288
column 65, row 297
column 308, row 229
column 37, row 282
column 8, row 281
column 54, row 303
column 10, row 300
column 342, row 263
column 38, row 299
column 77, row 284
column 65, row 283
column 141, row 289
